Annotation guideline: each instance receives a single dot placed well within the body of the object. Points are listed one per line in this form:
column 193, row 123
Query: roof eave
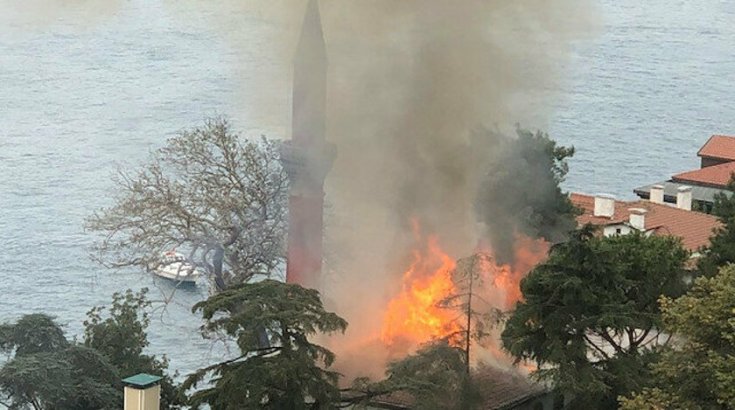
column 699, row 152
column 699, row 183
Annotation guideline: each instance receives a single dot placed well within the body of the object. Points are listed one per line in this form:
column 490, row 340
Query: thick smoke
column 411, row 81
column 422, row 94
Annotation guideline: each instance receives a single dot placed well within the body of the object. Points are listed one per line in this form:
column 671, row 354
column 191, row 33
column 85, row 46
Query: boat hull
column 177, row 274
column 174, row 278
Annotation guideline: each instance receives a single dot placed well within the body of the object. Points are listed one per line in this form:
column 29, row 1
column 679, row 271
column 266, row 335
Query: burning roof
column 417, row 313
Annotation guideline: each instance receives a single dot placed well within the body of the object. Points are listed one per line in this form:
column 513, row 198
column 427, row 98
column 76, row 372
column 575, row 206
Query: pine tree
column 288, row 372
column 721, row 249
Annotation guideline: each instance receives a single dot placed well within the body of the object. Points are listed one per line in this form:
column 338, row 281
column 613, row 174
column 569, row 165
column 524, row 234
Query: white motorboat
column 177, row 267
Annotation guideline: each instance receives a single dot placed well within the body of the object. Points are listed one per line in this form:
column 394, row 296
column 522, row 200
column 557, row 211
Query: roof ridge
column 713, row 140
column 699, row 152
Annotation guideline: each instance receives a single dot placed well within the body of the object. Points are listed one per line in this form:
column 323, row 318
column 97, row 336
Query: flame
column 414, row 316
column 506, row 278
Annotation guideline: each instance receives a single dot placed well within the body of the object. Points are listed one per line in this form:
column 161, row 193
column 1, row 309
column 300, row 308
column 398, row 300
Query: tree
column 220, row 198
column 121, row 337
column 285, row 372
column 435, row 377
column 721, row 249
column 46, row 371
column 477, row 315
column 439, row 375
column 520, row 192
column 697, row 372
column 590, row 315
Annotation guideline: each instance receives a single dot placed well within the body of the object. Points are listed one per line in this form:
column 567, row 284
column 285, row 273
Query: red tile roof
column 694, row 228
column 716, row 176
column 720, row 147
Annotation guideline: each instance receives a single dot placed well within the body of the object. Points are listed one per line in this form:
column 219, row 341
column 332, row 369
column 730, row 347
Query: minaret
column 307, row 157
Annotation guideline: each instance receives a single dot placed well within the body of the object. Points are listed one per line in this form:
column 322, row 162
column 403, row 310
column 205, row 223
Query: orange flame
column 414, row 317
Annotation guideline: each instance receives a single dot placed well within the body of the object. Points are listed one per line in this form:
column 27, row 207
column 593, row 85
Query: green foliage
column 34, row 333
column 721, row 250
column 99, row 378
column 121, row 337
column 591, row 308
column 46, row 371
column 699, row 371
column 287, row 372
column 653, row 399
column 521, row 192
column 435, row 376
column 724, row 203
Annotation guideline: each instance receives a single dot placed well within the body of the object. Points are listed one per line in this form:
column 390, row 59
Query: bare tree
column 209, row 193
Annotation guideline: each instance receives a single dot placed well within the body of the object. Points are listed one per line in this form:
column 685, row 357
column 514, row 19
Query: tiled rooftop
column 716, row 176
column 694, row 228
column 720, row 147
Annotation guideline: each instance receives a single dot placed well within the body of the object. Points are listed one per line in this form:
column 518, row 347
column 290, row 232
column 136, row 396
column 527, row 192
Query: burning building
column 406, row 87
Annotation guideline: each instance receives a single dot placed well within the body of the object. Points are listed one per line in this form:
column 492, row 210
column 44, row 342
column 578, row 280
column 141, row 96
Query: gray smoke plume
column 410, row 82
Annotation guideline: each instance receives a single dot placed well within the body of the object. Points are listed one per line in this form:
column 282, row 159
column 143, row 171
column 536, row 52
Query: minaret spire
column 307, row 157
column 310, row 79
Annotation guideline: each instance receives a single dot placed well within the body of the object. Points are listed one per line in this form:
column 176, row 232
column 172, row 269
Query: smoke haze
column 422, row 94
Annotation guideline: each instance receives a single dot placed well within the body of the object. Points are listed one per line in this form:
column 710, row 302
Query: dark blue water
column 82, row 91
column 648, row 92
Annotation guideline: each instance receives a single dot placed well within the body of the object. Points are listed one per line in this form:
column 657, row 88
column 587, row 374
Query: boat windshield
column 168, row 258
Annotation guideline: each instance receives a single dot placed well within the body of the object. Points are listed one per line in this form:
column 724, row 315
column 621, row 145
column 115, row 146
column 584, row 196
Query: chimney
column 657, row 194
column 638, row 218
column 604, row 205
column 684, row 198
column 142, row 392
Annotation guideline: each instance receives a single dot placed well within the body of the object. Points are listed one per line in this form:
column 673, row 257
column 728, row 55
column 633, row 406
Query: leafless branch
column 206, row 190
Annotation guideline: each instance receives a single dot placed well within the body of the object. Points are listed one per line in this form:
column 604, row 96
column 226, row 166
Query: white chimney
column 604, row 205
column 684, row 198
column 657, row 194
column 638, row 218
column 142, row 392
